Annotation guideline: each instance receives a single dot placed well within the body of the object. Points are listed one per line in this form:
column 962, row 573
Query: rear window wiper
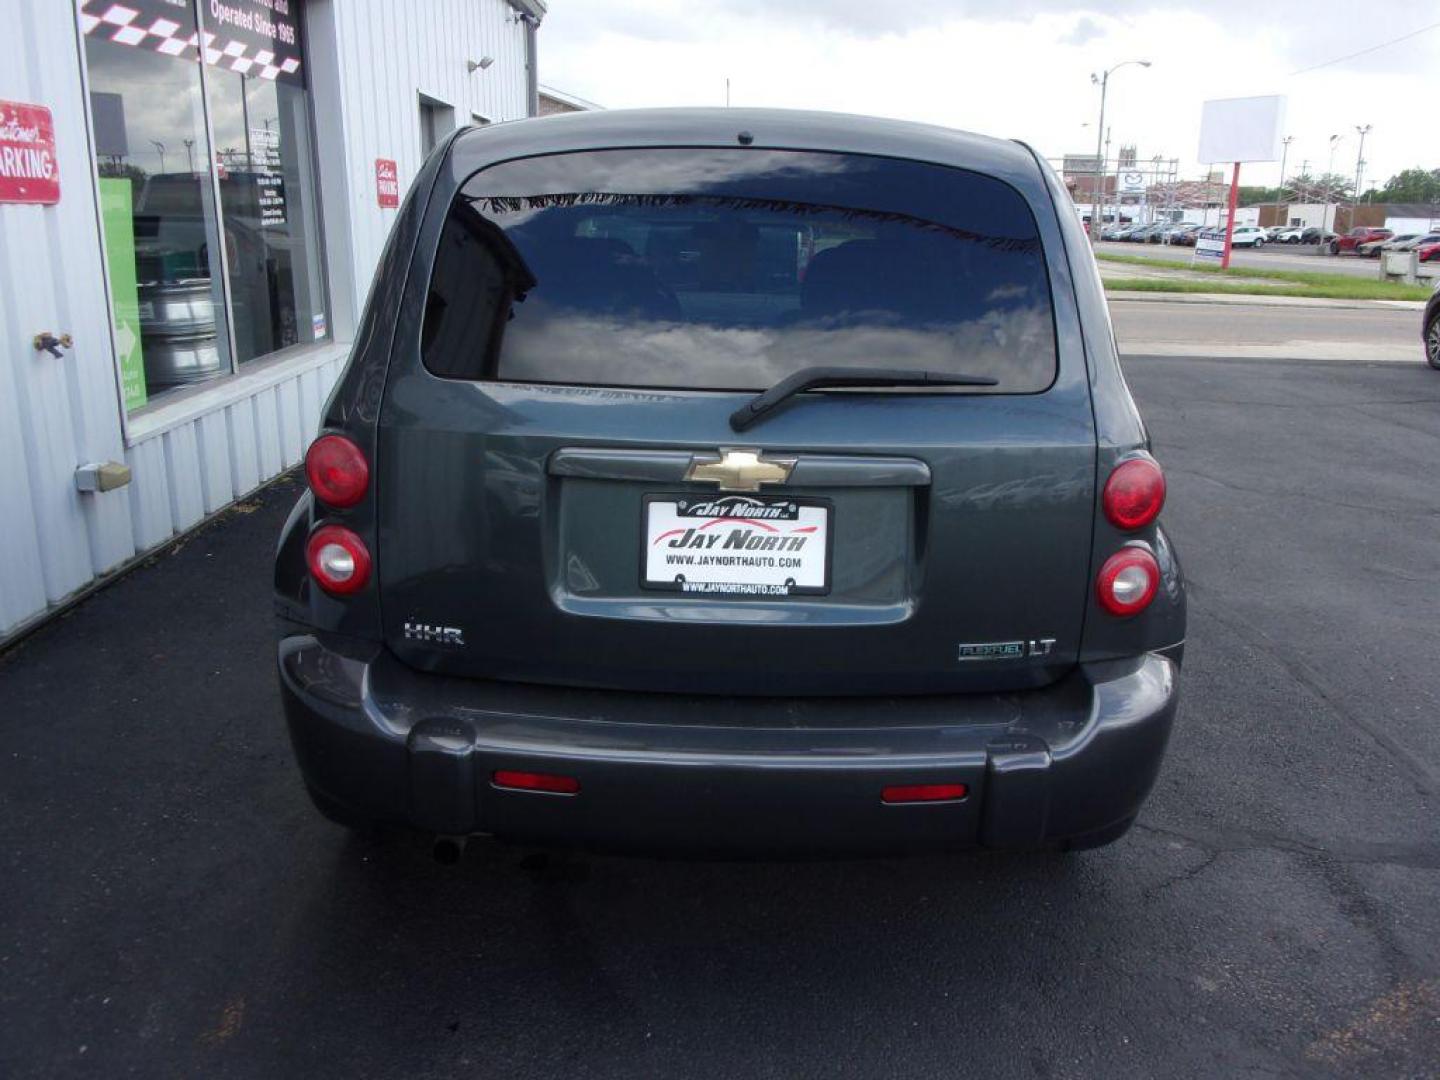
column 813, row 378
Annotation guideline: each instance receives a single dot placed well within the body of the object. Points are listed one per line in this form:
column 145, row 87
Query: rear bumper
column 726, row 775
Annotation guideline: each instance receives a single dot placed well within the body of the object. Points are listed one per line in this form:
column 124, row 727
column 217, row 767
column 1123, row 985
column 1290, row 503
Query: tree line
column 1417, row 185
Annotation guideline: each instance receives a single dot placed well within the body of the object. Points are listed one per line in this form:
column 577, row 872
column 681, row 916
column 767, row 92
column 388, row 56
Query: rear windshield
column 730, row 269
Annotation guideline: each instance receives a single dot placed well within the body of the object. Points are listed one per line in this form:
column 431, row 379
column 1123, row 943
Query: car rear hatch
column 562, row 495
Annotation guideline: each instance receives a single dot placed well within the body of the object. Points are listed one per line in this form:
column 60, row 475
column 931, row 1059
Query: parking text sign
column 29, row 171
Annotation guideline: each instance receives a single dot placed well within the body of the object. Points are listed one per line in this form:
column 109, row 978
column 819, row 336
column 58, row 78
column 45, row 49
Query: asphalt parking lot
column 173, row 907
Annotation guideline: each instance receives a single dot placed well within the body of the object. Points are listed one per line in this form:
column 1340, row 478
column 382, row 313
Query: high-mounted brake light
column 338, row 560
column 1134, row 494
column 1128, row 581
column 337, row 470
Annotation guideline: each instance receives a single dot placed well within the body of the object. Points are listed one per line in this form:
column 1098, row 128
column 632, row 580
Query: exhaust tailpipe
column 448, row 850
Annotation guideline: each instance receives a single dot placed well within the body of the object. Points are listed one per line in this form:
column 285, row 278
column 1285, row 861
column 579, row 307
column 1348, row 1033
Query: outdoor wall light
column 484, row 62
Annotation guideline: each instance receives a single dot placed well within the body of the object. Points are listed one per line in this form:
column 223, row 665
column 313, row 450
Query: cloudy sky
column 1021, row 68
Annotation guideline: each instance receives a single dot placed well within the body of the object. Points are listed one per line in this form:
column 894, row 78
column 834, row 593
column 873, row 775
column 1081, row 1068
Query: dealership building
column 193, row 197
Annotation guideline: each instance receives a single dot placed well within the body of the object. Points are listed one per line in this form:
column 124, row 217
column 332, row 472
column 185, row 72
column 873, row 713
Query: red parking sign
column 29, row 172
column 387, row 182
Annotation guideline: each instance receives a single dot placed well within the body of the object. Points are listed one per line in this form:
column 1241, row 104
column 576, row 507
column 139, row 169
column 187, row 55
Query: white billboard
column 1241, row 129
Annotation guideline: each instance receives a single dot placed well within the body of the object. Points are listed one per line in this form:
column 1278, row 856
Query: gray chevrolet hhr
column 733, row 481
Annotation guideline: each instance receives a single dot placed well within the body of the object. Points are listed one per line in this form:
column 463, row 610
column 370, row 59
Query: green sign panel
column 115, row 212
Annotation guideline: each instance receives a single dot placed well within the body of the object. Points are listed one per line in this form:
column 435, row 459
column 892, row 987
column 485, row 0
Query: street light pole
column 1097, row 194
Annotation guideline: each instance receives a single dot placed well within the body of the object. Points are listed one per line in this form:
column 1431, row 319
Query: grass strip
column 1248, row 282
column 1359, row 290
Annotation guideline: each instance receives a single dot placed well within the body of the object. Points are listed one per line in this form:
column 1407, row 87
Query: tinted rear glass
column 730, row 269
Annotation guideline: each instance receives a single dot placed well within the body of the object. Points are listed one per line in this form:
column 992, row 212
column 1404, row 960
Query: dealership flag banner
column 258, row 38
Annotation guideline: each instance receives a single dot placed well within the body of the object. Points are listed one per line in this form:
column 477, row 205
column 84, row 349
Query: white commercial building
column 193, row 197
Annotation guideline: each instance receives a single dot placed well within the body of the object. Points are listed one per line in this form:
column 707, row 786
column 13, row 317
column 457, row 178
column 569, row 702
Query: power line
column 1372, row 48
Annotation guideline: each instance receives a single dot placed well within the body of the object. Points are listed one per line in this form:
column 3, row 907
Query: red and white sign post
column 387, row 184
column 1235, row 130
column 1230, row 215
column 29, row 169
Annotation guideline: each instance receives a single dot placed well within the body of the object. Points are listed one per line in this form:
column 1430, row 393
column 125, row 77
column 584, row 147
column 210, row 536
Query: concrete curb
column 1323, row 352
column 1119, row 296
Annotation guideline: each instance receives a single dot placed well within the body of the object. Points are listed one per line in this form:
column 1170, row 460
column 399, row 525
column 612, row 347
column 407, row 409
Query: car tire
column 1259, row 243
column 1334, row 247
column 1432, row 342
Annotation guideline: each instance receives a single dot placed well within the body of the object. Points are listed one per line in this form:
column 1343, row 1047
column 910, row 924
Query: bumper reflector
column 913, row 793
column 534, row 781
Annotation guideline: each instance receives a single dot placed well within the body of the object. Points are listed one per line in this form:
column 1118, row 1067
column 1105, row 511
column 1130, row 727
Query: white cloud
column 1022, row 70
column 1083, row 32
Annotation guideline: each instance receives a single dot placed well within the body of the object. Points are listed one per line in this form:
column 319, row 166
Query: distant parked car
column 1373, row 249
column 1361, row 234
column 1290, row 234
column 1413, row 243
column 1185, row 235
column 1169, row 230
column 1432, row 327
column 1429, row 252
column 1248, row 236
column 1315, row 235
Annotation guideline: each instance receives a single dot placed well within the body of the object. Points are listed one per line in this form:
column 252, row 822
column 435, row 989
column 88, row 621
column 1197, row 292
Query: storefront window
column 158, row 211
column 267, row 200
column 159, row 171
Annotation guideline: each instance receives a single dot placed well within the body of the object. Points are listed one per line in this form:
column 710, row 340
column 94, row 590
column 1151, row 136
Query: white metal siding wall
column 388, row 53
column 57, row 414
column 187, row 471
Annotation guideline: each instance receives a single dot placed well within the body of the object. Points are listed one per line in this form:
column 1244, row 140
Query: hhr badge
column 435, row 635
column 739, row 470
column 1007, row 650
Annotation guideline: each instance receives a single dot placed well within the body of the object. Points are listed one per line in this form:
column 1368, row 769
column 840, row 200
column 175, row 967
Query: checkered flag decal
column 127, row 26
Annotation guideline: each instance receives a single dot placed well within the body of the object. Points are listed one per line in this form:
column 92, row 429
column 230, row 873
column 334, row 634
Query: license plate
column 736, row 545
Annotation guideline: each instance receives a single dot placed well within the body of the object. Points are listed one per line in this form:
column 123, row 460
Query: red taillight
column 337, row 471
column 1134, row 494
column 535, row 781
column 913, row 793
column 338, row 560
column 1128, row 581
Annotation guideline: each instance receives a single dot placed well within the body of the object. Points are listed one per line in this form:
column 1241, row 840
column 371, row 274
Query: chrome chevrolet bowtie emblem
column 739, row 470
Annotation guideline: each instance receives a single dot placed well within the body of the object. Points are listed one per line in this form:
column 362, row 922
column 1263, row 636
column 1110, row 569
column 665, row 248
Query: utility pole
column 1329, row 172
column 1359, row 168
column 1280, row 191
